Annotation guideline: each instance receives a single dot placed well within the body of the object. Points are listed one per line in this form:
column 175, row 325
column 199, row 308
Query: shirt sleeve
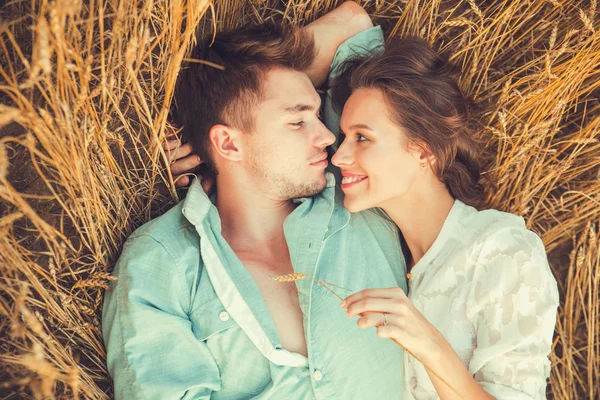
column 152, row 352
column 513, row 307
column 363, row 43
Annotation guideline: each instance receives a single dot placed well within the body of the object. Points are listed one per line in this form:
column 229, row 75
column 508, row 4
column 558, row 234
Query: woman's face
column 376, row 161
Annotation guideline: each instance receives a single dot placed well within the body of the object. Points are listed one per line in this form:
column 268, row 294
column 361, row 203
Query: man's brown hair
column 206, row 95
column 423, row 97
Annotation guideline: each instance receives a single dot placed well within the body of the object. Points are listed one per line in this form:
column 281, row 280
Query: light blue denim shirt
column 185, row 320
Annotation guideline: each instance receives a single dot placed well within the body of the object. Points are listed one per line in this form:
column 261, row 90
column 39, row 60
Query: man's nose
column 324, row 136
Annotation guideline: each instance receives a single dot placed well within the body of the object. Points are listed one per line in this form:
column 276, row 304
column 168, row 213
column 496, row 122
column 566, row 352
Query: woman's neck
column 420, row 216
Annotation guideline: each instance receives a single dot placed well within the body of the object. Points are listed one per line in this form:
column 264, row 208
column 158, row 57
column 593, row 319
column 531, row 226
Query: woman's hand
column 409, row 328
column 405, row 324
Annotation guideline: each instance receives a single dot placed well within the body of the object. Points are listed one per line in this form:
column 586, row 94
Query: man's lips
column 349, row 180
column 321, row 161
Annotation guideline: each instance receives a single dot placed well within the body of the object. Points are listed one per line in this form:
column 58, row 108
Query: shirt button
column 224, row 316
column 318, row 375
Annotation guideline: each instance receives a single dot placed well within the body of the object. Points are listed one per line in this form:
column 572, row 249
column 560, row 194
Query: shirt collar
column 197, row 204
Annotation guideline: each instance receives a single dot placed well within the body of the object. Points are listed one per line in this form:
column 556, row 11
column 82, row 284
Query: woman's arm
column 330, row 31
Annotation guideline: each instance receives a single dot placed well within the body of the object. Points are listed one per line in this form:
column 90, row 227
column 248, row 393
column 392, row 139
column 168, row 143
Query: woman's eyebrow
column 355, row 126
column 360, row 126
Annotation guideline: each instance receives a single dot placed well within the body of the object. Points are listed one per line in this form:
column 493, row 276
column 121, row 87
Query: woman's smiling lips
column 349, row 180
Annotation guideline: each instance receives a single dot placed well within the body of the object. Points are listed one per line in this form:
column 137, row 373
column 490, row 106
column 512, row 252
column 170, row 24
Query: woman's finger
column 372, row 304
column 385, row 293
column 186, row 164
column 389, row 331
column 377, row 319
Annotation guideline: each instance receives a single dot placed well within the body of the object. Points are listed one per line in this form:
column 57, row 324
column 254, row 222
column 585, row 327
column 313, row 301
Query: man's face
column 285, row 154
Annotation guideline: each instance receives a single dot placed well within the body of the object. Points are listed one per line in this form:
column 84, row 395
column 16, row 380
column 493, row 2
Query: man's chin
column 308, row 189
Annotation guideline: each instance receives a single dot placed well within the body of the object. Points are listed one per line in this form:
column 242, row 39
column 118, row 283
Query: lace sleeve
column 512, row 305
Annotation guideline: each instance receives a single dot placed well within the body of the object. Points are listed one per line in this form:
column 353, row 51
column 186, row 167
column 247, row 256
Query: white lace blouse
column 485, row 284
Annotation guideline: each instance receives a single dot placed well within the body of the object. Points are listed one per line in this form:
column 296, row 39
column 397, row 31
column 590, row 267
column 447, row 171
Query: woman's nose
column 343, row 155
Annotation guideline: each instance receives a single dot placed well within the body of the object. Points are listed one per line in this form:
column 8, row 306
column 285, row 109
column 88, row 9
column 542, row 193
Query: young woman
column 482, row 301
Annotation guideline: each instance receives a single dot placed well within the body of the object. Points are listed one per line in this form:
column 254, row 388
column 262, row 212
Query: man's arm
column 330, row 31
column 152, row 352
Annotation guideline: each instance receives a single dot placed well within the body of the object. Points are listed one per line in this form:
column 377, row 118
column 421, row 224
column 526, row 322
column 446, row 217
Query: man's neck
column 250, row 218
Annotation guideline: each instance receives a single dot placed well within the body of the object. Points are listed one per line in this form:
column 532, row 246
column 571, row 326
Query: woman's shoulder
column 504, row 249
column 510, row 256
column 497, row 229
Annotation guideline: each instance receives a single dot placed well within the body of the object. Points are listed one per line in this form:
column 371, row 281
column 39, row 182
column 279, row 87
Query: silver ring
column 385, row 319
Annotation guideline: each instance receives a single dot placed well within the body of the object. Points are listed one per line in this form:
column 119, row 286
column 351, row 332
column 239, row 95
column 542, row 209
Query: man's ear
column 225, row 142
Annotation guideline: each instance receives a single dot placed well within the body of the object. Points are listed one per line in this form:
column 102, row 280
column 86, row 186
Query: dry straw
column 86, row 89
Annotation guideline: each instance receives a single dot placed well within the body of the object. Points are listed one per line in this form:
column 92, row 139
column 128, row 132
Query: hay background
column 85, row 91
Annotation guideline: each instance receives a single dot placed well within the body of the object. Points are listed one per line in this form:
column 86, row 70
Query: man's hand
column 183, row 162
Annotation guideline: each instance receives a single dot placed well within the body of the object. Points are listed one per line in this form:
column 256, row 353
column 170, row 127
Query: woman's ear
column 426, row 158
column 225, row 141
column 421, row 152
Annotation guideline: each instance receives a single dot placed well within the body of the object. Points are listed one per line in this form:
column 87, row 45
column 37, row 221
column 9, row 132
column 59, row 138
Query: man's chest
column 281, row 298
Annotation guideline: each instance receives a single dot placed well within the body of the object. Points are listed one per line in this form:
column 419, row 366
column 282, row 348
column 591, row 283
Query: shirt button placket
column 224, row 316
column 318, row 375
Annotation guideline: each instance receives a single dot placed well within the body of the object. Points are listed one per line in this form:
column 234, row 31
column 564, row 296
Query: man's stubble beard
column 283, row 185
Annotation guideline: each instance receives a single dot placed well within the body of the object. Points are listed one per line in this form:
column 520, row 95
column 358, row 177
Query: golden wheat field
column 85, row 94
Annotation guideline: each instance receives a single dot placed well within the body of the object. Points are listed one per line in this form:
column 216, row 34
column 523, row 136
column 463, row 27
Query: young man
column 195, row 313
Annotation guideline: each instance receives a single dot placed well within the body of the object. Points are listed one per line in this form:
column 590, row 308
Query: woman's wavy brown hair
column 423, row 97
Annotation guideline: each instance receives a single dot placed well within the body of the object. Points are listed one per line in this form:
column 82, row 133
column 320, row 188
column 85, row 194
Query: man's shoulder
column 172, row 229
column 167, row 244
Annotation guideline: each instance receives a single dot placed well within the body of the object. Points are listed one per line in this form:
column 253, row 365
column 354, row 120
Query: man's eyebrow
column 301, row 107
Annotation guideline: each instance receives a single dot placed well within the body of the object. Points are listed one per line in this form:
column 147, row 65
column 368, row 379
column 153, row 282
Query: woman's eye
column 360, row 138
column 297, row 124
